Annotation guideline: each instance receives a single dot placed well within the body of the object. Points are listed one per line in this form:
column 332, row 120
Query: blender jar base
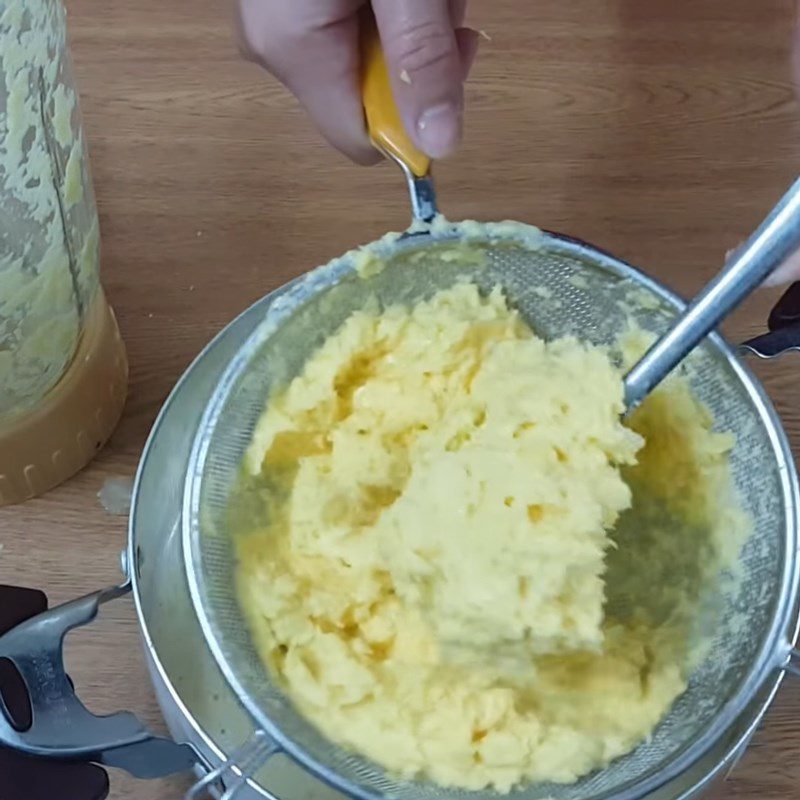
column 47, row 445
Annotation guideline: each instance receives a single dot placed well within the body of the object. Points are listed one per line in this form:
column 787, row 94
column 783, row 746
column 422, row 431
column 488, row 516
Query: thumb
column 426, row 69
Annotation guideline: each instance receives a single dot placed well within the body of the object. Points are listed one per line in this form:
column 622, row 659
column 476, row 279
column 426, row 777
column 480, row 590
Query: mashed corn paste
column 428, row 585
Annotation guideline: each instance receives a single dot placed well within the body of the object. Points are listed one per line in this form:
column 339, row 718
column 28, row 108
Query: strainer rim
column 770, row 655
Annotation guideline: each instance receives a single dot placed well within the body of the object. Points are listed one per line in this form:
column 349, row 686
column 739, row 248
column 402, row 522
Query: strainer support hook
column 792, row 666
column 232, row 775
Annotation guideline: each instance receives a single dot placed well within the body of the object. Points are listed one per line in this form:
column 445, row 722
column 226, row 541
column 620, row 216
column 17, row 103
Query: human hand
column 313, row 48
column 790, row 270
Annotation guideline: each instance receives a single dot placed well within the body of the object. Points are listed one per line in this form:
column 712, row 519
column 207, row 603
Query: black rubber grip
column 24, row 777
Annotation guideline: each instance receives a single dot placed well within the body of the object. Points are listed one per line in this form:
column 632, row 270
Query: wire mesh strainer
column 561, row 287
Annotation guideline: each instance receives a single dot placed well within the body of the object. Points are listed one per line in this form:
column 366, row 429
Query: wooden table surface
column 661, row 131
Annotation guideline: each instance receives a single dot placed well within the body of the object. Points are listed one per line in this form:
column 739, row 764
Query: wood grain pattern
column 661, row 131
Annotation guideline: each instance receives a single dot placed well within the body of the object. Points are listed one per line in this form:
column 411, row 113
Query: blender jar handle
column 58, row 725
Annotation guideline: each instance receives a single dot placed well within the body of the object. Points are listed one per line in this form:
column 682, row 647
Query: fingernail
column 439, row 130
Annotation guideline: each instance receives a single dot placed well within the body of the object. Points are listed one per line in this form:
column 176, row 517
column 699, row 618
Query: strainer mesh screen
column 561, row 288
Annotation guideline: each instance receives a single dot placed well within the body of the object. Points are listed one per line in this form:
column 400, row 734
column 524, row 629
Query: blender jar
column 63, row 372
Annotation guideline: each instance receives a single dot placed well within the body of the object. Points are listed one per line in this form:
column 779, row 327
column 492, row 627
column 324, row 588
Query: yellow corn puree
column 442, row 577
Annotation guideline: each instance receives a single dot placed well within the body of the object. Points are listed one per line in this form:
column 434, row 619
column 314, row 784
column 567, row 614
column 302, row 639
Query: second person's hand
column 313, row 48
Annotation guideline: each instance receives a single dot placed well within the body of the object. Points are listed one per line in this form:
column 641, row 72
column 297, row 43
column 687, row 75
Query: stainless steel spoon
column 774, row 241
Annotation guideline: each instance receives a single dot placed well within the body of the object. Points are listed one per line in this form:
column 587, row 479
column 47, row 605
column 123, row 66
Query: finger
column 319, row 63
column 788, row 271
column 458, row 11
column 426, row 70
column 329, row 87
column 468, row 41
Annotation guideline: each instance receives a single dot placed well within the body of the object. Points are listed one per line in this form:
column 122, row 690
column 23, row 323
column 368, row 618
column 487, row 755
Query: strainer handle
column 774, row 241
column 59, row 725
column 385, row 126
column 384, row 123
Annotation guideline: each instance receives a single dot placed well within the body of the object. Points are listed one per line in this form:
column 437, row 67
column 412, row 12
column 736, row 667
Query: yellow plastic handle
column 384, row 124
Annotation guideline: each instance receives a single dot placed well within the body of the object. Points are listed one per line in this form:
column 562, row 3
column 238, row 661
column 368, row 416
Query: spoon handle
column 777, row 237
